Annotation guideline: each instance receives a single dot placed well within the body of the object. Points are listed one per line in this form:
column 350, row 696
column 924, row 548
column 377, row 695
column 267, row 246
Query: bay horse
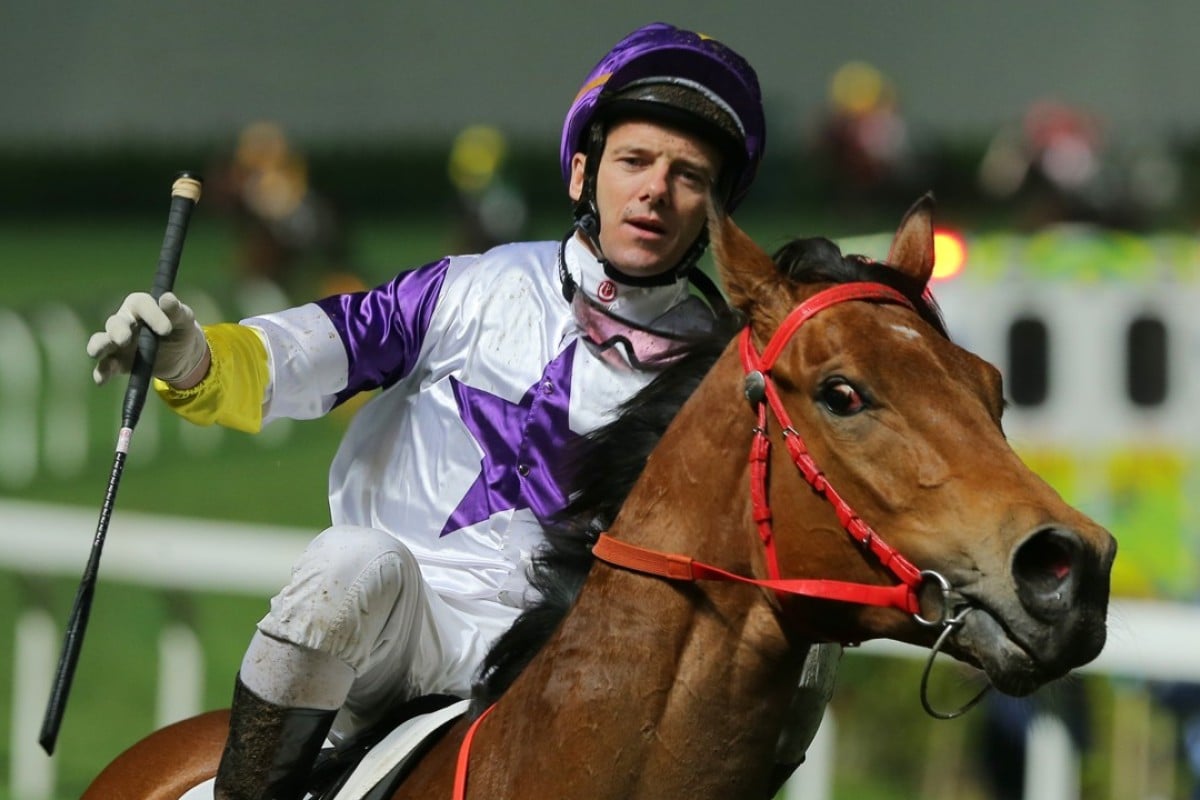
column 880, row 499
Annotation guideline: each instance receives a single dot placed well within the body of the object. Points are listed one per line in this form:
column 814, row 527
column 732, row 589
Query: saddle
column 373, row 764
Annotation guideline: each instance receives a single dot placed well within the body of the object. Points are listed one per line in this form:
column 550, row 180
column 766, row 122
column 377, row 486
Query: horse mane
column 615, row 453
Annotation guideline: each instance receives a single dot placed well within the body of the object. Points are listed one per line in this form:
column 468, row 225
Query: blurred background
column 342, row 144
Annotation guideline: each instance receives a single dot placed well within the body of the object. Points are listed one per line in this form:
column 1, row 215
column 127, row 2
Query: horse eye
column 841, row 398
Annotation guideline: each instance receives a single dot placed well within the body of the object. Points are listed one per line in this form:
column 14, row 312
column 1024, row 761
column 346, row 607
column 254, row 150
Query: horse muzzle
column 1050, row 617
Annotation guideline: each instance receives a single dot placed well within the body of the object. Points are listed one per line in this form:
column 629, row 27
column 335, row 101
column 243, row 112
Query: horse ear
column 912, row 248
column 746, row 270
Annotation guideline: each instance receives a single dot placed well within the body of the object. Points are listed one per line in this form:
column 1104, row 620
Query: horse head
column 905, row 427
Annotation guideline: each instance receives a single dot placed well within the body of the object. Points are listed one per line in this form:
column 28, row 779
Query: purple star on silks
column 523, row 446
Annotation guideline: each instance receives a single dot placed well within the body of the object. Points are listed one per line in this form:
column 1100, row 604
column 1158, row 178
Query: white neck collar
column 640, row 304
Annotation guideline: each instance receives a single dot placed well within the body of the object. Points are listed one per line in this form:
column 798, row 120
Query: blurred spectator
column 1050, row 162
column 491, row 209
column 864, row 140
column 287, row 232
column 1061, row 165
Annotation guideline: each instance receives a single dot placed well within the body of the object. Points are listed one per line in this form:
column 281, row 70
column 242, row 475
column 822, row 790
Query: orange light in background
column 949, row 254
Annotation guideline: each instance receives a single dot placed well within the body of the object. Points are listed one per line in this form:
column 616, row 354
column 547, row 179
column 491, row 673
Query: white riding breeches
column 357, row 598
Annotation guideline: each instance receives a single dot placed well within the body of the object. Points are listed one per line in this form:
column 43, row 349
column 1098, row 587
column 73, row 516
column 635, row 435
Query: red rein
column 677, row 567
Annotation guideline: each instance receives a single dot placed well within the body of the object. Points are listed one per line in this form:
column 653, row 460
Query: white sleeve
column 306, row 362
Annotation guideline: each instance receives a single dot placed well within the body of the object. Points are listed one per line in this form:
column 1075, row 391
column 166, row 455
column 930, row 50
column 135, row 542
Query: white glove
column 181, row 343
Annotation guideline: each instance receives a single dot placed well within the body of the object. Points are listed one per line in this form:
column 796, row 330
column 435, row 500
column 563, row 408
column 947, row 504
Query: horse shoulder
column 166, row 763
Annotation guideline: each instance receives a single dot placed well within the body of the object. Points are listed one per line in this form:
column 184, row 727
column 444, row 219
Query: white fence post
column 1051, row 761
column 65, row 408
column 180, row 674
column 20, row 387
column 34, row 646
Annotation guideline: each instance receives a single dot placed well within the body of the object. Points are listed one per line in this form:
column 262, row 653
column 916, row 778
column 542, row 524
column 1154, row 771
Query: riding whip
column 185, row 193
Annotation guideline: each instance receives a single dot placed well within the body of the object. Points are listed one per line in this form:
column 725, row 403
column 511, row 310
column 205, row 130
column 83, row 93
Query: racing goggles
column 645, row 347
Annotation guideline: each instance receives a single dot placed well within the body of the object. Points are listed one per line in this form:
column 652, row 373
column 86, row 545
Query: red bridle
column 760, row 389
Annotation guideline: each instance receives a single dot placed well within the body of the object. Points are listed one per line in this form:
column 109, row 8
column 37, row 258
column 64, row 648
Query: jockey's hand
column 181, row 343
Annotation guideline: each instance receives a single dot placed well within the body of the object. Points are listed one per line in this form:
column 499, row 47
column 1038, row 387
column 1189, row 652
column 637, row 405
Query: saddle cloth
column 376, row 765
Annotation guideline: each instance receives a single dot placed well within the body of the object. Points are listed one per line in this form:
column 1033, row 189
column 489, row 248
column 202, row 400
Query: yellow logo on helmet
column 599, row 80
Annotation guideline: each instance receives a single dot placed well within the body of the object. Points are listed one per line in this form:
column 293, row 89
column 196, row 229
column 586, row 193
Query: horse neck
column 693, row 495
column 677, row 689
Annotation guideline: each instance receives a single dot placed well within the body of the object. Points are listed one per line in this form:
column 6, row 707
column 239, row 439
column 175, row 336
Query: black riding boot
column 270, row 750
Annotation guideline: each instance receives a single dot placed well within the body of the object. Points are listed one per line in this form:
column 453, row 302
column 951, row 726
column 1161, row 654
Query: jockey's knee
column 346, row 590
column 344, row 554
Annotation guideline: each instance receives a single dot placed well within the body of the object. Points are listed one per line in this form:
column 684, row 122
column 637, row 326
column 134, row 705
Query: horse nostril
column 1045, row 567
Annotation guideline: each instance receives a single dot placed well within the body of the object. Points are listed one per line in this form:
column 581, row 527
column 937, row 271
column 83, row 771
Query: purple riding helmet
column 662, row 73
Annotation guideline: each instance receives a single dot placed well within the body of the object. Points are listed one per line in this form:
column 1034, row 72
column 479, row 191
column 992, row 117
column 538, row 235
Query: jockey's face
column 652, row 194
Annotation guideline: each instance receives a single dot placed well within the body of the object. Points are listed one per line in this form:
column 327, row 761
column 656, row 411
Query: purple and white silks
column 484, row 383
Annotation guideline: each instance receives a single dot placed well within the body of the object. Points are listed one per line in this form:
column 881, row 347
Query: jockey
column 488, row 364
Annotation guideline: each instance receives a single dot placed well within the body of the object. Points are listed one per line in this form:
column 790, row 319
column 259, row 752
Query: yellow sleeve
column 232, row 392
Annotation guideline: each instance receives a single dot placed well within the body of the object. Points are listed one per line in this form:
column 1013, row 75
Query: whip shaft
column 185, row 193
